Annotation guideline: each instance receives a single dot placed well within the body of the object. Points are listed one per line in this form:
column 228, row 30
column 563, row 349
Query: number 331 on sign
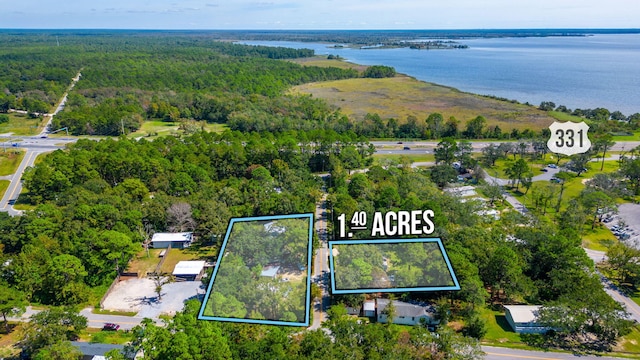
column 569, row 138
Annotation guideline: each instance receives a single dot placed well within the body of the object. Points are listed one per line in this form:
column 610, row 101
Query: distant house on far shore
column 176, row 240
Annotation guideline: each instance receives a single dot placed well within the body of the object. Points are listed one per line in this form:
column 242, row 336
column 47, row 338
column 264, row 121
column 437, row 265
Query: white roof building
column 177, row 240
column 188, row 268
column 462, row 191
column 270, row 271
column 524, row 318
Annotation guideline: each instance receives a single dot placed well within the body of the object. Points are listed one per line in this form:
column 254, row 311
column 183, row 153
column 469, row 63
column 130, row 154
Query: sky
column 318, row 14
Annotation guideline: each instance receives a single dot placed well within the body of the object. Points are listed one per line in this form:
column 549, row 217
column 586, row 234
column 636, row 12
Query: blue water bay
column 578, row 72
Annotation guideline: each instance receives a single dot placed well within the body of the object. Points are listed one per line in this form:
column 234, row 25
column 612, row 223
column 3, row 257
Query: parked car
column 553, row 166
column 544, row 170
column 555, row 180
column 406, row 148
column 111, row 327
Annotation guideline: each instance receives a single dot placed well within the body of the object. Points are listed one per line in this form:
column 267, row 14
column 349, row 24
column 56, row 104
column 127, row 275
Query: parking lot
column 630, row 216
column 139, row 295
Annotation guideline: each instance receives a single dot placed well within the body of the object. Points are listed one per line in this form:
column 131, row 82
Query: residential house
column 95, row 351
column 524, row 319
column 176, row 240
column 406, row 313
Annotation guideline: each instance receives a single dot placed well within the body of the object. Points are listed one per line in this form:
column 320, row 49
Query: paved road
column 596, row 256
column 13, row 191
column 93, row 320
column 498, row 353
column 34, row 146
column 421, row 146
column 321, row 265
column 61, row 104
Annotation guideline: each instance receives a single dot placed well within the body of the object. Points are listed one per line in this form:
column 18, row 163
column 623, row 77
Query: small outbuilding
column 176, row 240
column 189, row 270
column 270, row 271
column 524, row 319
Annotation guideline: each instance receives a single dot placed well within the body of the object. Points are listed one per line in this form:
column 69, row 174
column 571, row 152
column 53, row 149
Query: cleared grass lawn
column 8, row 341
column 20, row 124
column 630, row 343
column 152, row 129
column 10, row 160
column 499, row 332
column 561, row 116
column 396, row 157
column 142, row 264
column 116, row 313
column 105, row 337
column 599, row 238
column 634, row 137
column 4, row 185
column 174, row 256
column 402, row 96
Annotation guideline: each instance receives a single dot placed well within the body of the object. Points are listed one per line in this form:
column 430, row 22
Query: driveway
column 139, row 295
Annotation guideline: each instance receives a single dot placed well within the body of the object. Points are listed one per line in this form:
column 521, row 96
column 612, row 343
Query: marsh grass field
column 403, row 96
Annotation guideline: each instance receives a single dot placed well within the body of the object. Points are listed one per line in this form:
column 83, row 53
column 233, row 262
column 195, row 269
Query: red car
column 111, row 326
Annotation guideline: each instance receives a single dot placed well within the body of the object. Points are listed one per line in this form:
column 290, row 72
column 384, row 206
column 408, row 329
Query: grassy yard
column 142, row 264
column 599, row 238
column 4, row 184
column 20, row 124
column 402, row 96
column 630, row 343
column 174, row 256
column 105, row 337
column 10, row 160
column 634, row 137
column 411, row 157
column 116, row 313
column 8, row 340
column 499, row 332
column 153, row 129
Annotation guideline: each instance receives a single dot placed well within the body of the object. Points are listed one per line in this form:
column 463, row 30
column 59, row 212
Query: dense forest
column 515, row 259
column 390, row 265
column 97, row 201
column 239, row 289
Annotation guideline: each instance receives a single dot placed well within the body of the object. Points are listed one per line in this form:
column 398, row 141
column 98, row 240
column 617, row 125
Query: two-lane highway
column 34, row 146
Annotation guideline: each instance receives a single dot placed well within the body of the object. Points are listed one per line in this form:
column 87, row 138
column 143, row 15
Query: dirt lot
column 139, row 295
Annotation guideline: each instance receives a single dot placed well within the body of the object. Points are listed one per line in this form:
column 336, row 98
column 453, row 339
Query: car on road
column 544, row 170
column 43, row 137
column 111, row 327
column 399, row 142
column 553, row 166
column 12, row 202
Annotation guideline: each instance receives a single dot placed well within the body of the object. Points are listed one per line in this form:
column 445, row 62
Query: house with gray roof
column 406, row 313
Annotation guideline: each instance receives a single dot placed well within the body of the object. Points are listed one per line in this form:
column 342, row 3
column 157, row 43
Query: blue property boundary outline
column 456, row 285
column 306, row 322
